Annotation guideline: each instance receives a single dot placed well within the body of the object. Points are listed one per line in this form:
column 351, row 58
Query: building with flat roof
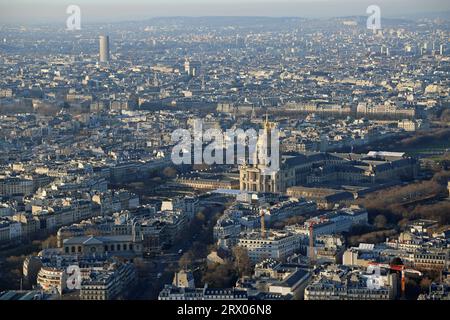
column 170, row 292
column 109, row 284
column 275, row 245
column 325, row 198
column 342, row 283
column 23, row 295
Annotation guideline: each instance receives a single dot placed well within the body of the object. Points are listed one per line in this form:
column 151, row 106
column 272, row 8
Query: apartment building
column 109, row 284
column 275, row 245
column 10, row 186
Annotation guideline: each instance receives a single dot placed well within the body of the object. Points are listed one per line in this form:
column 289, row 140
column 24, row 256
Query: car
column 159, row 275
column 180, row 251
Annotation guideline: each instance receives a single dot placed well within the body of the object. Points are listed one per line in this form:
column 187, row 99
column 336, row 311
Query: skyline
column 44, row 11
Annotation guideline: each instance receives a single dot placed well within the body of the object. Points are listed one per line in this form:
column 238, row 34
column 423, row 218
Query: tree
column 425, row 284
column 199, row 250
column 200, row 216
column 169, row 172
column 380, row 221
column 412, row 289
column 445, row 115
column 397, row 261
column 50, row 242
column 242, row 261
column 403, row 223
column 220, row 276
column 186, row 260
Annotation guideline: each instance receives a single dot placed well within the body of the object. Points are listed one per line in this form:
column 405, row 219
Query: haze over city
column 48, row 11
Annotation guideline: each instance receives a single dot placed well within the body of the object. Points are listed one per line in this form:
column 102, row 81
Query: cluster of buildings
column 249, row 214
column 282, row 244
column 353, row 278
column 142, row 231
column 337, row 282
column 59, row 204
column 331, row 170
column 419, row 247
column 85, row 120
column 311, row 260
column 103, row 249
column 89, row 277
column 437, row 291
column 271, row 281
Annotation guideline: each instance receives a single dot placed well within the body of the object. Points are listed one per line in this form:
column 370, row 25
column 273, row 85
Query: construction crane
column 398, row 268
column 312, row 257
column 312, row 253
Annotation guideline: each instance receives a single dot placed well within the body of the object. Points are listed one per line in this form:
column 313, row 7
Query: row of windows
column 267, row 243
column 112, row 247
column 94, row 298
column 425, row 258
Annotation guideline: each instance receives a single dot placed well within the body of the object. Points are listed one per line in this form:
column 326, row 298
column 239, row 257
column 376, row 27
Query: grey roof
column 97, row 240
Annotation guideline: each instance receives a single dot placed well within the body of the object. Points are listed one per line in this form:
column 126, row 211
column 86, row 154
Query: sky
column 43, row 11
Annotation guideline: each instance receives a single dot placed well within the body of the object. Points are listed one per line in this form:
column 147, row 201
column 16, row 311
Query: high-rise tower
column 104, row 49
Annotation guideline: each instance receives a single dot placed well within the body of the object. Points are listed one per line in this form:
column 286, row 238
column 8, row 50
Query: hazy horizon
column 47, row 11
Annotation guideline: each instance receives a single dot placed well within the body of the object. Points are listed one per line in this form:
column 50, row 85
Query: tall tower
column 265, row 142
column 187, row 66
column 104, row 49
